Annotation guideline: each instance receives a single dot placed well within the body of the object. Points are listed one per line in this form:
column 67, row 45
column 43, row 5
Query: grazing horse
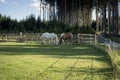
column 66, row 37
column 49, row 38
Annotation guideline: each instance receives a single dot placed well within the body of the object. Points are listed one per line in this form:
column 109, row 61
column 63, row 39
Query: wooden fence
column 87, row 38
column 77, row 38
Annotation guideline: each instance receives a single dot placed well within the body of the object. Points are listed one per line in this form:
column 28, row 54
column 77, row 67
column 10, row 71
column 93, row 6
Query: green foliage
column 115, row 39
column 86, row 30
column 33, row 25
column 82, row 29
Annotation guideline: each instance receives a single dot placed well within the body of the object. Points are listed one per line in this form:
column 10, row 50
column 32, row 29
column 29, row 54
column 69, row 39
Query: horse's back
column 68, row 35
column 53, row 35
column 48, row 35
column 45, row 34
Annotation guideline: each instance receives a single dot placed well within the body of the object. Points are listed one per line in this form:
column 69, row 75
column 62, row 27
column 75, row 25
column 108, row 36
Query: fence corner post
column 95, row 39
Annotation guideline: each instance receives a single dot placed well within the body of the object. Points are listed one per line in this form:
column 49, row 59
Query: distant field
column 28, row 61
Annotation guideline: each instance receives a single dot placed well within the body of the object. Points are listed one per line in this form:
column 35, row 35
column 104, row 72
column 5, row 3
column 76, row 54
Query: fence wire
column 113, row 50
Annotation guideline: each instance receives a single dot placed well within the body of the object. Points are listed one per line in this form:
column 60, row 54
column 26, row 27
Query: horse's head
column 60, row 40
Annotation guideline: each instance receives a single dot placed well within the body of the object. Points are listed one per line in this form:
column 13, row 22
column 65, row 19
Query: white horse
column 49, row 38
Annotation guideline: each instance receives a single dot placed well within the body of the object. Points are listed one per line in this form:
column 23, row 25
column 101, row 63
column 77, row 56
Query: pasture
column 30, row 61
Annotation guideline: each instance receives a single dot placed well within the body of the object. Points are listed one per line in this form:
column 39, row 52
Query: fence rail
column 77, row 38
column 87, row 38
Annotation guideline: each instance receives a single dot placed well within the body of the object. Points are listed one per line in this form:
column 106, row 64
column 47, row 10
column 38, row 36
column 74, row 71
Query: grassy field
column 21, row 61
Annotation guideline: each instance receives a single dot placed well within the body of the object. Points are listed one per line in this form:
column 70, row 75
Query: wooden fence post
column 95, row 38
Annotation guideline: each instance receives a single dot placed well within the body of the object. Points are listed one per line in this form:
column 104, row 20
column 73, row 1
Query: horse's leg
column 49, row 41
column 44, row 41
column 56, row 42
column 71, row 42
column 63, row 41
column 68, row 41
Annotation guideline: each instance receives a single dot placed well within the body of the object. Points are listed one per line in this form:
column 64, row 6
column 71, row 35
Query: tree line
column 78, row 12
column 34, row 25
column 108, row 25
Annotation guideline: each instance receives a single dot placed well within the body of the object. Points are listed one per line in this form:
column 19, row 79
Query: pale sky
column 19, row 9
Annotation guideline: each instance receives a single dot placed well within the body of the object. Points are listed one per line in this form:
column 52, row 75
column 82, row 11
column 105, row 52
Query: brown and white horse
column 66, row 37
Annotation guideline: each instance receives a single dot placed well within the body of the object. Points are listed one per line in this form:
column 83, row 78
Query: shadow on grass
column 49, row 50
column 66, row 51
column 87, row 71
column 71, row 69
column 51, row 66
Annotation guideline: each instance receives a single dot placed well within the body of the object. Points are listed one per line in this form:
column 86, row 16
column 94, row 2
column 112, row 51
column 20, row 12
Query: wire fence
column 113, row 52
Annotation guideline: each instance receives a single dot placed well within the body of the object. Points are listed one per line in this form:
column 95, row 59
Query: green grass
column 21, row 61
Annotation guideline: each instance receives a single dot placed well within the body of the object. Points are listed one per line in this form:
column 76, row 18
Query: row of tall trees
column 7, row 24
column 32, row 25
column 73, row 12
column 79, row 12
column 108, row 25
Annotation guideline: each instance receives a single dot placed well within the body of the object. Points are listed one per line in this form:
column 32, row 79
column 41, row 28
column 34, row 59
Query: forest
column 33, row 25
column 78, row 12
column 68, row 15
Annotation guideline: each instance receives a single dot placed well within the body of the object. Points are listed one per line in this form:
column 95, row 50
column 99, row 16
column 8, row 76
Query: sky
column 19, row 9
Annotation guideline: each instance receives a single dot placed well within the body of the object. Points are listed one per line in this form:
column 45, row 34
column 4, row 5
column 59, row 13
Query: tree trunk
column 64, row 13
column 113, row 28
column 73, row 14
column 116, row 17
column 104, row 18
column 97, row 21
column 50, row 11
column 54, row 13
column 109, row 17
column 100, row 22
column 40, row 9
